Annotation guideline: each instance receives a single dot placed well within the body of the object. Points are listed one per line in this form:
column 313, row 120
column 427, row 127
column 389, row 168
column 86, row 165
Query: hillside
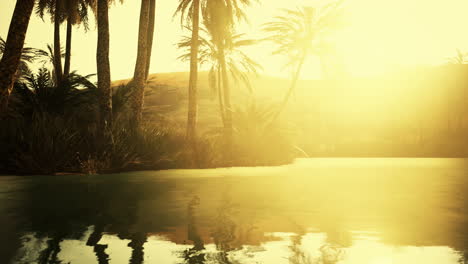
column 384, row 115
column 166, row 95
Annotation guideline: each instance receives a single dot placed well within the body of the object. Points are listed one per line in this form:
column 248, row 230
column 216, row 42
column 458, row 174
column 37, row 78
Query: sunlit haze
column 378, row 36
column 313, row 132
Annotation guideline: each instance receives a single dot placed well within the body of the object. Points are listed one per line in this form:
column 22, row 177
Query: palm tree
column 152, row 11
column 140, row 75
column 220, row 19
column 76, row 13
column 239, row 65
column 38, row 93
column 103, row 71
column 190, row 9
column 56, row 10
column 13, row 49
column 297, row 34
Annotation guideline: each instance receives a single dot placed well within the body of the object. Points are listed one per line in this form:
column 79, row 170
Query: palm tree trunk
column 138, row 83
column 66, row 70
column 228, row 129
column 226, row 95
column 103, row 71
column 291, row 88
column 13, row 48
column 57, row 48
column 152, row 10
column 192, row 91
column 220, row 96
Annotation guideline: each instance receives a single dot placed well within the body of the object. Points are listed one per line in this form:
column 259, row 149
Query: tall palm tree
column 190, row 9
column 56, row 10
column 140, row 75
column 152, row 11
column 13, row 49
column 103, row 70
column 220, row 18
column 76, row 13
column 239, row 65
column 297, row 34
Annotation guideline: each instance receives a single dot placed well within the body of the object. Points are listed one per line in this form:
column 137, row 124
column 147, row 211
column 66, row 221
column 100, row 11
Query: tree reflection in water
column 219, row 223
column 194, row 255
column 98, row 249
column 329, row 253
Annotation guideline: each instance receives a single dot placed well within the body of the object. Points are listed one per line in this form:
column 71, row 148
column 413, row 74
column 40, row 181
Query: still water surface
column 315, row 211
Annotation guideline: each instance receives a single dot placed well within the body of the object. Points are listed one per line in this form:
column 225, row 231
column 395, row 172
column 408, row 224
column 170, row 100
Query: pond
column 324, row 211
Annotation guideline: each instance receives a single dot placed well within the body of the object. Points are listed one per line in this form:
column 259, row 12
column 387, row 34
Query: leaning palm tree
column 297, row 35
column 150, row 34
column 13, row 49
column 239, row 65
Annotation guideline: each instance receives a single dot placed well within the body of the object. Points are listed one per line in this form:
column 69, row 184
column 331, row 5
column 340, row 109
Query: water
column 324, row 211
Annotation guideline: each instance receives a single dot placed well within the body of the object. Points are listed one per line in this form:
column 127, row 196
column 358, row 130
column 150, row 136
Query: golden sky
column 380, row 35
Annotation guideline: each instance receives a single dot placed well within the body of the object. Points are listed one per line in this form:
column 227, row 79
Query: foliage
column 52, row 129
column 240, row 65
column 460, row 58
column 76, row 11
column 28, row 57
column 302, row 31
column 39, row 93
column 47, row 124
column 232, row 10
column 257, row 140
column 44, row 145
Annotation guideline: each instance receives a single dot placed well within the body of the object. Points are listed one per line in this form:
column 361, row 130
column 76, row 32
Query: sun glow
column 379, row 36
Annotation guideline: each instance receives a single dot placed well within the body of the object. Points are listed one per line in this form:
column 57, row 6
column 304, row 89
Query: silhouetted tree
column 76, row 13
column 56, row 9
column 296, row 32
column 103, row 71
column 190, row 9
column 220, row 18
column 140, row 75
column 11, row 58
column 239, row 64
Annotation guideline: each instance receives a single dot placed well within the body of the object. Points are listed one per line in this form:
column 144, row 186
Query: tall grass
column 51, row 129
